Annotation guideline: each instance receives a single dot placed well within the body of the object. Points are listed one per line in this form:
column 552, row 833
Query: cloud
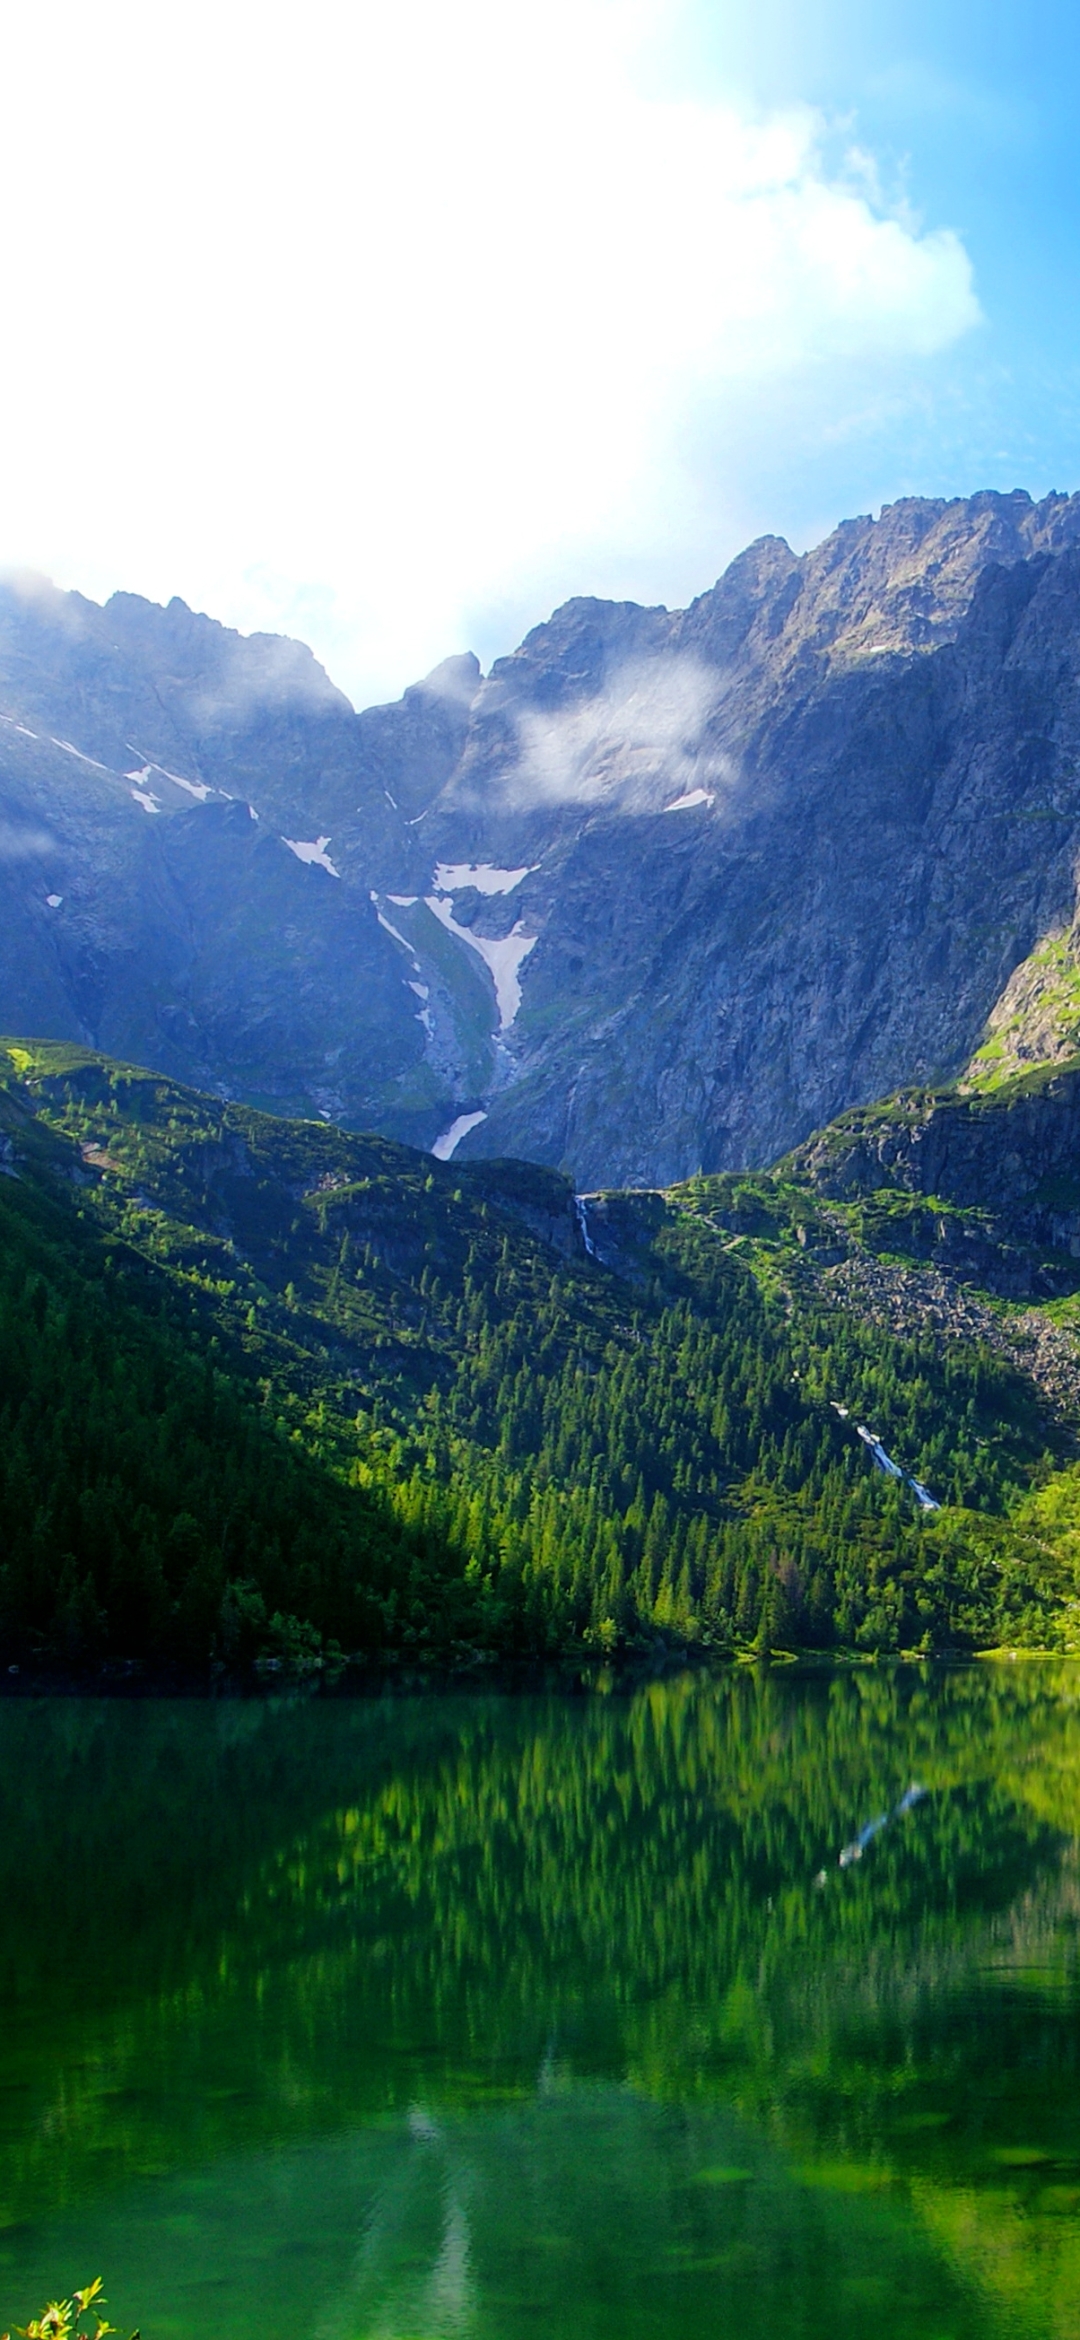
column 455, row 679
column 260, row 671
column 638, row 743
column 357, row 322
column 18, row 843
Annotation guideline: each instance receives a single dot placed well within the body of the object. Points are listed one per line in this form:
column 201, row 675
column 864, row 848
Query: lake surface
column 493, row 2017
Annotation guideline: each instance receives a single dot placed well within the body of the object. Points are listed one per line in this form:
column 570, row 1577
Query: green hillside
column 268, row 1386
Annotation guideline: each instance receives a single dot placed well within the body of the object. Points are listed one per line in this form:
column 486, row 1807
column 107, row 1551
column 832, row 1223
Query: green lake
column 552, row 2015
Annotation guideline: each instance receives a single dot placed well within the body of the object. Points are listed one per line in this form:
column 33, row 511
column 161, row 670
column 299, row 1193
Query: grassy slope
column 565, row 1452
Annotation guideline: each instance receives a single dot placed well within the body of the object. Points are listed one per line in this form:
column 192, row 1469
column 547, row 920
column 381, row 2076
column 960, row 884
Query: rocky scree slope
column 665, row 890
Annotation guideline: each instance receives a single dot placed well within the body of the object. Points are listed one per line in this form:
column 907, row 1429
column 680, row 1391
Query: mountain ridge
column 665, row 890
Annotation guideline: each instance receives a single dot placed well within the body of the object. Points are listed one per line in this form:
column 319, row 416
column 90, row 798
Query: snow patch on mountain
column 196, row 788
column 444, row 1146
column 313, row 852
column 453, row 877
column 145, row 775
column 384, row 922
column 502, row 956
column 693, row 796
column 423, row 1011
column 387, row 928
column 74, row 751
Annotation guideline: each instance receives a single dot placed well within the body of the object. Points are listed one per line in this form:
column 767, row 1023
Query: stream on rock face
column 746, row 2003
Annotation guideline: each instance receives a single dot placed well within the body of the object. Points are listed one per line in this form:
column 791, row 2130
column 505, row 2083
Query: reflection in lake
column 486, row 2016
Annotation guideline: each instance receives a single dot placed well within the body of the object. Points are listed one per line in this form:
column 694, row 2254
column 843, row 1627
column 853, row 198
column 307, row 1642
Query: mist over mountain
column 664, row 890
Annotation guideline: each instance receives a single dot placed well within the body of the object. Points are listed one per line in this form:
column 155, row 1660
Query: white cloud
column 20, row 843
column 356, row 320
column 636, row 743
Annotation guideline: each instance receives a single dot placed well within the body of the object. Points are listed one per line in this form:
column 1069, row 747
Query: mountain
column 266, row 1385
column 153, row 767
column 664, row 891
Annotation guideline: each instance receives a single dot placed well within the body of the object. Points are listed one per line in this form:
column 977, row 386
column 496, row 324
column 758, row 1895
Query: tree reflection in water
column 483, row 2014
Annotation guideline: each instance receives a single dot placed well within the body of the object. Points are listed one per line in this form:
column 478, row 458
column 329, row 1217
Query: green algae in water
column 487, row 2016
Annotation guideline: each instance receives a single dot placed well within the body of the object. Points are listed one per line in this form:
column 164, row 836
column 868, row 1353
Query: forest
column 274, row 1393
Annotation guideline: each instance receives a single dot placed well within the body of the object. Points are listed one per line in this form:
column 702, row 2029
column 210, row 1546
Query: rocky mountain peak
column 666, row 889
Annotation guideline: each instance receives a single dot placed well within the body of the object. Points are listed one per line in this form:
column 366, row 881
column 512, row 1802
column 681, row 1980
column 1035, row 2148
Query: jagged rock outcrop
column 1013, row 1155
column 666, row 889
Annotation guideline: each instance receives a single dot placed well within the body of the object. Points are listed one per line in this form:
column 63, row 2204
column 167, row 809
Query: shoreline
column 569, row 1676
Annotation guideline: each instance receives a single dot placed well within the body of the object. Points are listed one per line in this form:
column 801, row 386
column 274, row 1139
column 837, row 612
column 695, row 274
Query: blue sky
column 970, row 112
column 392, row 326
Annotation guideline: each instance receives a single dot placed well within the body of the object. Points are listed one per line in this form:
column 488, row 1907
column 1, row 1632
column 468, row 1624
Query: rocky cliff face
column 1011, row 1156
column 665, row 890
column 818, row 886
